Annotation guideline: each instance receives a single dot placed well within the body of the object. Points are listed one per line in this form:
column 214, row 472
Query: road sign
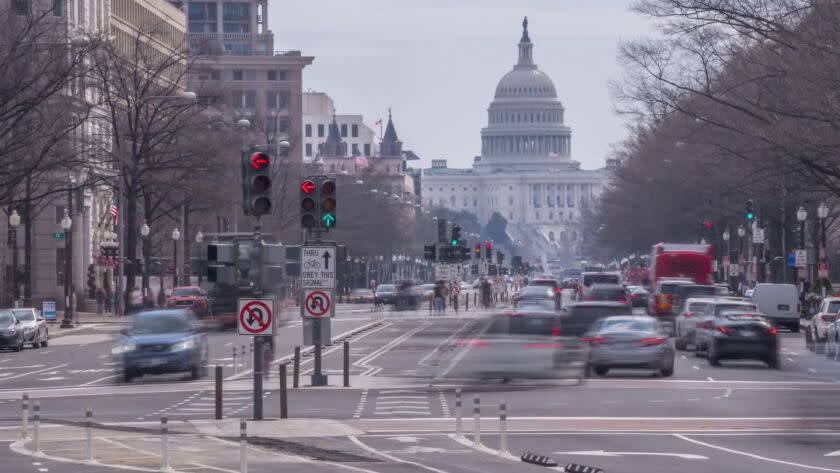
column 800, row 258
column 317, row 267
column 822, row 270
column 48, row 309
column 456, row 289
column 256, row 317
column 58, row 236
column 734, row 269
column 758, row 235
column 317, row 303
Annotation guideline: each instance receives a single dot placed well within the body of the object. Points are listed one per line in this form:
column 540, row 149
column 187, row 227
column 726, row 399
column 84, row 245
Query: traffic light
column 478, row 250
column 257, row 186
column 749, row 214
column 429, row 252
column 442, row 230
column 308, row 212
column 488, row 251
column 328, row 203
column 456, row 234
column 500, row 257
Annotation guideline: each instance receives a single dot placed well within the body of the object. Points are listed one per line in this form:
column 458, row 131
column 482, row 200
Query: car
column 742, row 334
column 538, row 292
column 465, row 286
column 629, row 341
column 579, row 316
column 535, row 299
column 685, row 323
column 779, row 302
column 818, row 328
column 722, row 289
column 670, row 295
column 552, row 284
column 361, row 296
column 385, row 294
column 190, row 297
column 11, row 334
column 589, row 278
column 832, row 340
column 638, row 296
column 162, row 341
column 713, row 311
column 609, row 292
column 34, row 327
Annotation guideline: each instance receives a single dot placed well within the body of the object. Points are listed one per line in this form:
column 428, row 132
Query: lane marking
column 424, row 361
column 363, row 362
column 387, row 456
column 20, row 367
column 812, row 370
column 710, row 378
column 101, row 379
column 35, row 372
column 752, row 455
column 695, row 367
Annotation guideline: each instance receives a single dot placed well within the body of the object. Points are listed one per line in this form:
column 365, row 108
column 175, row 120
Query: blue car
column 163, row 341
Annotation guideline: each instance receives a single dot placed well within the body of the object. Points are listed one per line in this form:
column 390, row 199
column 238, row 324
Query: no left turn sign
column 256, row 317
column 317, row 304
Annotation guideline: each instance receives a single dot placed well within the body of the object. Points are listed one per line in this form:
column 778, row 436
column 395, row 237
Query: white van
column 779, row 302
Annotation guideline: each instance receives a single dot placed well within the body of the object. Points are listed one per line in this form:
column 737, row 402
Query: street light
column 244, row 124
column 199, row 237
column 801, row 214
column 67, row 224
column 144, row 232
column 14, row 222
column 176, row 235
column 822, row 213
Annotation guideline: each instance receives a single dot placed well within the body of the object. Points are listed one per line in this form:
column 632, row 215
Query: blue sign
column 791, row 260
column 48, row 310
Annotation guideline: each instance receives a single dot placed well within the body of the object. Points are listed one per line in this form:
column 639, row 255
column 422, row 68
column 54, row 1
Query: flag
column 361, row 161
column 115, row 209
column 378, row 122
column 553, row 154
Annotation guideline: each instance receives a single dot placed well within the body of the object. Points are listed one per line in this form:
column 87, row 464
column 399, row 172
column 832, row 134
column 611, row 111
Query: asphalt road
column 399, row 413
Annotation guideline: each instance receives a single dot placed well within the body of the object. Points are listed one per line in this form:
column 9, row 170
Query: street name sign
column 317, row 267
column 255, row 317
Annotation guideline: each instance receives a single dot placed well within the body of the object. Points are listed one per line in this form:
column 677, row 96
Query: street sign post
column 317, row 267
column 255, row 317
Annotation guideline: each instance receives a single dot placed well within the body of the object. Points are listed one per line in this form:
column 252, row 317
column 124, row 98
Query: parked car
column 34, row 327
column 685, row 323
column 163, row 341
column 742, row 334
column 361, row 296
column 629, row 341
column 11, row 334
column 706, row 327
column 779, row 302
column 190, row 297
column 385, row 294
column 818, row 328
column 638, row 296
column 722, row 289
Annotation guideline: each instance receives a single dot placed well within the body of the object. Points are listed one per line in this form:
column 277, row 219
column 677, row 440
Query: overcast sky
column 437, row 63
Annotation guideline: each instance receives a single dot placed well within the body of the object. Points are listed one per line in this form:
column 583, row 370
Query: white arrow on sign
column 602, row 453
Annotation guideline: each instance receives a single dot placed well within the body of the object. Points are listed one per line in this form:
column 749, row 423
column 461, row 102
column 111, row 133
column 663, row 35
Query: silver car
column 685, row 324
column 35, row 331
column 630, row 341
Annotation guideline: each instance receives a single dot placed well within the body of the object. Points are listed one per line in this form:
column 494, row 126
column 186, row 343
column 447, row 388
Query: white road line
column 710, row 378
column 36, row 372
column 612, row 402
column 812, row 370
column 393, row 458
column 425, row 401
column 20, row 367
column 752, row 455
column 45, row 352
column 693, row 399
column 695, row 367
column 104, row 356
column 789, row 359
column 443, row 404
column 363, row 362
column 683, row 357
column 101, row 379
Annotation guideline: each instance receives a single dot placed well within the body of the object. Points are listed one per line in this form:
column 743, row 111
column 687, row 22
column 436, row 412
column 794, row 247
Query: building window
column 238, row 74
column 355, row 149
column 308, row 149
column 20, row 7
column 537, row 214
column 58, row 7
column 59, row 266
column 277, row 99
column 551, row 215
column 466, row 201
column 354, row 131
column 202, row 17
column 344, row 131
column 236, row 17
column 59, row 214
column 320, row 131
column 238, row 49
column 308, row 132
column 276, row 75
column 510, row 201
column 367, row 149
column 244, row 98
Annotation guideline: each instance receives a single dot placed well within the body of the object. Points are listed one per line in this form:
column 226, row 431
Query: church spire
column 333, row 147
column 391, row 146
column 526, row 57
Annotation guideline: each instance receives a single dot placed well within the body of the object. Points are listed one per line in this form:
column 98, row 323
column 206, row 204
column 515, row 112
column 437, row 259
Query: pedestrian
column 100, row 300
column 109, row 299
column 135, row 299
column 438, row 296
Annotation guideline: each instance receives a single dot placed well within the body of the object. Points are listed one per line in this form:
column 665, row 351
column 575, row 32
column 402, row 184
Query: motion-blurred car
column 685, row 323
column 722, row 289
column 537, row 293
column 34, row 327
column 629, row 341
column 163, row 341
column 552, row 284
column 739, row 334
column 713, row 312
column 11, row 335
column 609, row 292
column 190, row 297
column 361, row 296
column 638, row 296
column 579, row 316
column 670, row 294
column 465, row 286
column 825, row 316
column 587, row 279
column 426, row 291
column 385, row 294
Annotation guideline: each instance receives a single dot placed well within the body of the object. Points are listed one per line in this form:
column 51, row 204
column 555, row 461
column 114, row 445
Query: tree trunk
column 129, row 223
column 147, row 245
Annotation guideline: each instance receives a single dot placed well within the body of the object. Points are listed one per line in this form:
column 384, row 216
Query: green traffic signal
column 328, row 219
column 750, row 216
column 454, row 242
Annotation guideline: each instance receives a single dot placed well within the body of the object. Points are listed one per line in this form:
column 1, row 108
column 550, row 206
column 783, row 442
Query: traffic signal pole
column 258, row 341
column 318, row 378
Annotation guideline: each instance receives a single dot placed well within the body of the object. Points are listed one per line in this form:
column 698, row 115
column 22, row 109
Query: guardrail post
column 24, row 416
column 476, row 421
column 458, row 431
column 164, row 447
column 36, row 422
column 89, row 434
column 296, row 368
column 219, row 402
column 502, row 428
column 346, row 364
column 243, row 446
column 284, row 406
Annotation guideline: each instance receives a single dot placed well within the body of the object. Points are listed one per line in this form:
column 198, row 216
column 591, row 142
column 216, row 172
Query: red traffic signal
column 478, row 250
column 307, row 187
column 260, row 161
column 707, row 224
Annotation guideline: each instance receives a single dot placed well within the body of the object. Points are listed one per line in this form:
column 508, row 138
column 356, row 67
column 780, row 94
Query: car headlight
column 187, row 344
column 123, row 348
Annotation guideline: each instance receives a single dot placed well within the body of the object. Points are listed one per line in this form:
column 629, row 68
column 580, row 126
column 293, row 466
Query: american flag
column 378, row 122
column 115, row 209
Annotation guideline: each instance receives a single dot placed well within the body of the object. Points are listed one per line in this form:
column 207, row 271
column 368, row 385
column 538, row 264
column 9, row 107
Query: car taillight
column 705, row 325
column 555, row 331
column 652, row 341
column 634, row 296
column 828, row 317
column 596, row 340
column 688, row 315
column 772, row 330
column 723, row 330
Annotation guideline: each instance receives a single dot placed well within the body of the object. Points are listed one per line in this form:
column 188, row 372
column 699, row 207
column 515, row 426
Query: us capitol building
column 525, row 171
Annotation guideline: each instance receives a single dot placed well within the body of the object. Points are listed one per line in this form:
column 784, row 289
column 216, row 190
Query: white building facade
column 318, row 114
column 525, row 172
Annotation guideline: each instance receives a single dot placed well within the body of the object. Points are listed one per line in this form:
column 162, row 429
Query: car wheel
column 773, row 361
column 128, row 375
column 714, row 360
column 18, row 347
column 46, row 339
column 601, row 370
column 698, row 351
column 795, row 328
column 195, row 372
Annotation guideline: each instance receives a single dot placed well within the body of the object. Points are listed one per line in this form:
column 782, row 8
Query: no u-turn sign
column 255, row 317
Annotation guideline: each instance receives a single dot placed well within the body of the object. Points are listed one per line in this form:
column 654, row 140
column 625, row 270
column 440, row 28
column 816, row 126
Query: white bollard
column 164, row 447
column 24, row 416
column 458, row 431
column 89, row 434
column 235, row 365
column 476, row 421
column 36, row 422
column 503, row 428
column 243, row 446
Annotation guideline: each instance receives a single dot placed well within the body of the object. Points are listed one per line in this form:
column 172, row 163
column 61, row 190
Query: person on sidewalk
column 100, row 300
column 109, row 300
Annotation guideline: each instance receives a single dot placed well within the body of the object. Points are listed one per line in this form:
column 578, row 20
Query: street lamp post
column 14, row 223
column 801, row 215
column 822, row 213
column 741, row 270
column 144, row 232
column 199, row 237
column 726, row 237
column 66, row 225
column 176, row 235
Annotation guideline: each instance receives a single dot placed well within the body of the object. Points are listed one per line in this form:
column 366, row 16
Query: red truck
column 683, row 263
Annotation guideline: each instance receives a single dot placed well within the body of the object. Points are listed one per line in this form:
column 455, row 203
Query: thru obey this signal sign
column 255, row 317
column 317, row 304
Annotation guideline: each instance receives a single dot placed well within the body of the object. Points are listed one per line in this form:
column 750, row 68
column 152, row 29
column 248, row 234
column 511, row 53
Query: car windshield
column 361, row 292
column 535, row 292
column 628, row 324
column 591, row 279
column 721, row 291
column 386, row 288
column 536, row 305
column 543, row 282
column 606, row 293
column 833, row 306
column 721, row 308
column 159, row 323
column 6, row 319
column 670, row 288
column 186, row 292
column 24, row 315
column 579, row 318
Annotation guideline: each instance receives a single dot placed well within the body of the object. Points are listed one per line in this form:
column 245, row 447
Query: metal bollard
column 24, row 416
column 89, row 434
column 235, row 365
column 218, row 373
column 476, row 421
column 503, row 428
column 36, row 422
column 284, row 406
column 430, row 306
column 296, row 368
column 244, row 359
column 346, row 364
column 243, row 446
column 466, row 302
column 458, row 431
column 475, row 298
column 164, row 447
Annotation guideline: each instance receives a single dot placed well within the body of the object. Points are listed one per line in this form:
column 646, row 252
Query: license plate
column 154, row 362
column 783, row 307
column 747, row 333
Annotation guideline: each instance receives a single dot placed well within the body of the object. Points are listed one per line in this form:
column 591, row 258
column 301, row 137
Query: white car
column 818, row 328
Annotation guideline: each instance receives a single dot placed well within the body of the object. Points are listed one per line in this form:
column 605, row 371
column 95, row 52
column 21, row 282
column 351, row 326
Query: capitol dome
column 525, row 119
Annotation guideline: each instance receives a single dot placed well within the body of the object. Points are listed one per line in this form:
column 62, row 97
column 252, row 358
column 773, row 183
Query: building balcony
column 260, row 37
